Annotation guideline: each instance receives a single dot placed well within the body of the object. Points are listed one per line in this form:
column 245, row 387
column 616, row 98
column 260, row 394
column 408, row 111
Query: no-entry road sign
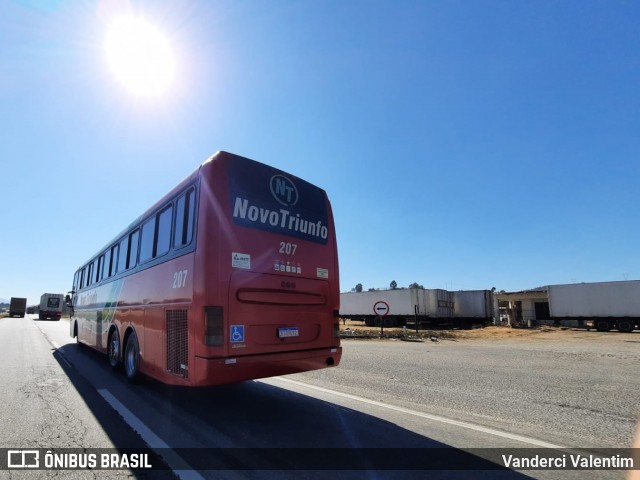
column 381, row 309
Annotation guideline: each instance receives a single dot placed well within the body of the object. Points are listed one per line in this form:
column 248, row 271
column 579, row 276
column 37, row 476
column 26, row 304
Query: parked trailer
column 360, row 306
column 406, row 306
column 17, row 307
column 473, row 306
column 436, row 309
column 51, row 306
column 607, row 304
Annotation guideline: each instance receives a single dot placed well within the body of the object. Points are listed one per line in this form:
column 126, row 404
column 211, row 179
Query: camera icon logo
column 23, row 459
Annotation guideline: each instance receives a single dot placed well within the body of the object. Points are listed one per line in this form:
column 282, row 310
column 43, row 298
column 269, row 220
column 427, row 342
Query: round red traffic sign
column 381, row 308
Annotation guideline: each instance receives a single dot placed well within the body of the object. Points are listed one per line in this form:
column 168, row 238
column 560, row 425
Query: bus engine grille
column 177, row 343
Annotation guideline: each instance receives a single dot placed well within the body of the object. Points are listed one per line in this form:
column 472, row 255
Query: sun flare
column 140, row 56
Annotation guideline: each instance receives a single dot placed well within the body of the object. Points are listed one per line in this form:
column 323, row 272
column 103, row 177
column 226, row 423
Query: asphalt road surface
column 440, row 400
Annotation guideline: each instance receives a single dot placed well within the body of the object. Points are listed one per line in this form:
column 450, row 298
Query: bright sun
column 140, row 56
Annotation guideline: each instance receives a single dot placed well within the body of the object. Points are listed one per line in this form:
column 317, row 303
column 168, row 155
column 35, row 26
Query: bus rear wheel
column 132, row 358
column 113, row 350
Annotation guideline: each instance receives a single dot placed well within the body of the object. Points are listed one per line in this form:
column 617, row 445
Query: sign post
column 381, row 310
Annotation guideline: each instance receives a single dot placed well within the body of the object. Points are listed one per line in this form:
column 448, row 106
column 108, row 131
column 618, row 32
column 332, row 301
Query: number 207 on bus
column 231, row 276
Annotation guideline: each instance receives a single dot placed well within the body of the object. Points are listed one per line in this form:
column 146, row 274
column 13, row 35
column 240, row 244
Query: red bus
column 231, row 276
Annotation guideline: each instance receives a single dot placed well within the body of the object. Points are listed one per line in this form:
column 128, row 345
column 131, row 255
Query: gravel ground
column 573, row 388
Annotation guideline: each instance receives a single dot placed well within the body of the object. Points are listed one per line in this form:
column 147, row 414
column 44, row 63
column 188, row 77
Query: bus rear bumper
column 216, row 371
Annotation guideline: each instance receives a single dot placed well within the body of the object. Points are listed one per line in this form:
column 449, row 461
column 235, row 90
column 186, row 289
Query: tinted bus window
column 113, row 264
column 122, row 258
column 90, row 274
column 107, row 264
column 146, row 240
column 100, row 268
column 132, row 259
column 177, row 236
column 191, row 208
column 185, row 208
column 164, row 231
column 82, row 278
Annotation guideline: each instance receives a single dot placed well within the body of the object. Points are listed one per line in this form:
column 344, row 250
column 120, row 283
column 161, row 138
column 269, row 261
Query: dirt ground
column 357, row 329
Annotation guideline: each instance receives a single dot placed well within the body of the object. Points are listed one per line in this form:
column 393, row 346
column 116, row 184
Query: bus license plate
column 287, row 332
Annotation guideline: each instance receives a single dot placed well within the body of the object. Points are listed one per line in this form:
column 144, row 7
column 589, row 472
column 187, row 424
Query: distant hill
column 4, row 300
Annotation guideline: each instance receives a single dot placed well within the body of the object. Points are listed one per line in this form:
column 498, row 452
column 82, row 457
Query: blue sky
column 463, row 144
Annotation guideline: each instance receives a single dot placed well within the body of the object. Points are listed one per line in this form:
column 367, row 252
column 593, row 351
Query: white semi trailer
column 417, row 307
column 607, row 304
column 473, row 306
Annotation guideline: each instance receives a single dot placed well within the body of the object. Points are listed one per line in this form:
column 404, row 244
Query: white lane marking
column 55, row 345
column 175, row 462
column 437, row 418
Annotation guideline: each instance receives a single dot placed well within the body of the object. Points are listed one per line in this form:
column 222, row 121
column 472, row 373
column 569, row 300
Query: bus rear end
column 267, row 261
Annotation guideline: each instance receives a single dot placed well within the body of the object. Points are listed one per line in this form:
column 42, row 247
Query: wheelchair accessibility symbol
column 237, row 333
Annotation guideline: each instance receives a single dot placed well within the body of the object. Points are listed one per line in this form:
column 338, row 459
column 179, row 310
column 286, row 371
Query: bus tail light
column 213, row 329
column 336, row 330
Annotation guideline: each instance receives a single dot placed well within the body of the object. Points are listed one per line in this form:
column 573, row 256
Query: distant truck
column 608, row 305
column 17, row 307
column 51, row 306
column 418, row 307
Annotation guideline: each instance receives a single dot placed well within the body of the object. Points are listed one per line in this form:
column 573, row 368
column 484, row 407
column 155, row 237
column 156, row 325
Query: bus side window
column 156, row 235
column 94, row 269
column 100, row 268
column 185, row 208
column 89, row 274
column 132, row 259
column 82, row 278
column 113, row 267
column 163, row 241
column 146, row 241
column 122, row 258
column 191, row 208
column 106, row 272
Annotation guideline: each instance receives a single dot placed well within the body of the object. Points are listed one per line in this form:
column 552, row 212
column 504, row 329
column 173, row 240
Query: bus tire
column 113, row 349
column 75, row 335
column 132, row 358
column 625, row 326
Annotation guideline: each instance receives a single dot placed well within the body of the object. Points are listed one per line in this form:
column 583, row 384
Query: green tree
column 393, row 284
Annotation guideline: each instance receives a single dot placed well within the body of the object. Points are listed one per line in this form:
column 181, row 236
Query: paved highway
column 384, row 395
